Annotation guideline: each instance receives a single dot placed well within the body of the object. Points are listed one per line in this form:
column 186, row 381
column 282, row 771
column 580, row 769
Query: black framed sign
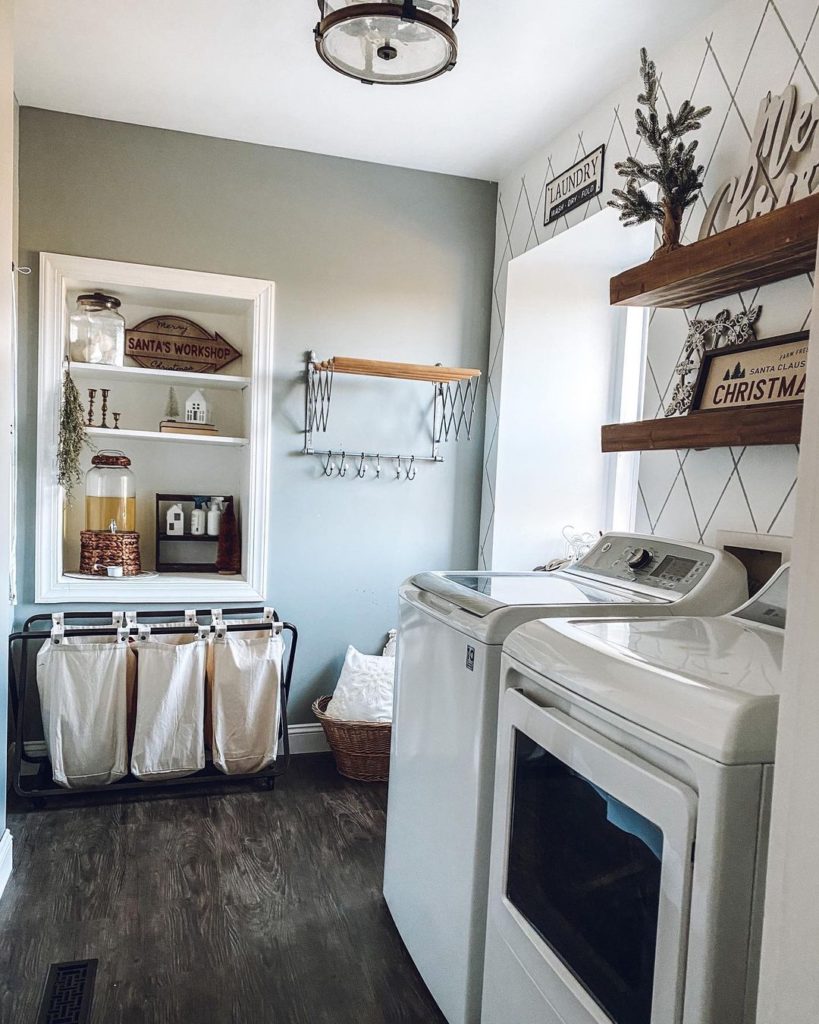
column 575, row 186
column 765, row 372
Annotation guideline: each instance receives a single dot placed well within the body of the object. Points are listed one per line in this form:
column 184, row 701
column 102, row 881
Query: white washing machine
column 452, row 627
column 632, row 801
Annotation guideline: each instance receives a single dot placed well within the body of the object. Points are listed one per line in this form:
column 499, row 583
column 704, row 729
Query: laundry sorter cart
column 132, row 629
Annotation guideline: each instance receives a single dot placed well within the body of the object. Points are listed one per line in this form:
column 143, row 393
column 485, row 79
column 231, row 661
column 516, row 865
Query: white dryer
column 452, row 627
column 632, row 802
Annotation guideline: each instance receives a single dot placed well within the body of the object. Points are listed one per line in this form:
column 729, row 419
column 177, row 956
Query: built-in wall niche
column 235, row 461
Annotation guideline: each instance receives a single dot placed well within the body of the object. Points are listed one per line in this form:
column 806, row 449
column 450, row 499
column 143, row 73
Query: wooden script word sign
column 781, row 165
column 763, row 373
column 582, row 182
column 176, row 343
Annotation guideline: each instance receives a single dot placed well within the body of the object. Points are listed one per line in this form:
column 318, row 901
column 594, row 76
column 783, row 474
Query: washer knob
column 639, row 558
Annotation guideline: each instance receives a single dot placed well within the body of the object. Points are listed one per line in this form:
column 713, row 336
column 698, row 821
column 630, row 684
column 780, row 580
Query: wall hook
column 398, row 468
column 361, row 472
column 328, row 465
column 411, row 471
column 342, row 469
column 377, row 466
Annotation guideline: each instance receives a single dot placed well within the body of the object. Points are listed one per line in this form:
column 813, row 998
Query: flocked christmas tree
column 172, row 405
column 675, row 173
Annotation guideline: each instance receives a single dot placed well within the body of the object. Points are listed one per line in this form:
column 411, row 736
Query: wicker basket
column 101, row 548
column 361, row 749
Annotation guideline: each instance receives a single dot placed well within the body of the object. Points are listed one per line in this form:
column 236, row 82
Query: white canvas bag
column 245, row 688
column 82, row 690
column 169, row 737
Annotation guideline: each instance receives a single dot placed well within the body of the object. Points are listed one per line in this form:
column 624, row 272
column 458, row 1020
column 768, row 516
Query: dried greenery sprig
column 72, row 437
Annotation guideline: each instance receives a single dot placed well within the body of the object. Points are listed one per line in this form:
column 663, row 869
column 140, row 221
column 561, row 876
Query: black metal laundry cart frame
column 33, row 786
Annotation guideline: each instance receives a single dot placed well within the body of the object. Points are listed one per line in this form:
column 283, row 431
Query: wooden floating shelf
column 397, row 371
column 773, row 247
column 127, row 374
column 155, row 435
column 755, row 425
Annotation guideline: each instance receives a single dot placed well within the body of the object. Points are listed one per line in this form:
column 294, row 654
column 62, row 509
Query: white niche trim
column 164, row 289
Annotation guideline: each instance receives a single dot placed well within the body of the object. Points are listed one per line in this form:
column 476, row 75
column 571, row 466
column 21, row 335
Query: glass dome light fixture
column 388, row 43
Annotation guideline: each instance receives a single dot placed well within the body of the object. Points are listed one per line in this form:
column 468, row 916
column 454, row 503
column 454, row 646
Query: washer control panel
column 658, row 564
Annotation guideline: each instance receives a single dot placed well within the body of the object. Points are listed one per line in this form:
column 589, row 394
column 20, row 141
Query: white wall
column 789, row 985
column 560, row 359
column 744, row 49
column 6, row 378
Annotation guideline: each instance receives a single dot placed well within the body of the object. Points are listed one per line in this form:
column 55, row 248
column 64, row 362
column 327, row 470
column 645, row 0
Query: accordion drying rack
column 37, row 786
column 455, row 390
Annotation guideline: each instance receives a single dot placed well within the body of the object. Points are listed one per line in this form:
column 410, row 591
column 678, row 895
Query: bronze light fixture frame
column 404, row 11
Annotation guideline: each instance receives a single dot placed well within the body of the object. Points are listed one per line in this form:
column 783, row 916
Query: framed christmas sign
column 575, row 186
column 762, row 373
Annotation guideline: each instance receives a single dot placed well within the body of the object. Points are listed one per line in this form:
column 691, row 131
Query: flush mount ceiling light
column 388, row 43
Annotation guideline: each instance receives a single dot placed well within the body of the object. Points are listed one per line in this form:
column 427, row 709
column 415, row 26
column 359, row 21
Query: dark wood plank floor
column 247, row 907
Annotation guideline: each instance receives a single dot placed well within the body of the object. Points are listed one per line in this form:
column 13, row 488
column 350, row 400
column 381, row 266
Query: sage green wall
column 367, row 259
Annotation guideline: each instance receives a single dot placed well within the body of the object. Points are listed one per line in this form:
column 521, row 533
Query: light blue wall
column 368, row 260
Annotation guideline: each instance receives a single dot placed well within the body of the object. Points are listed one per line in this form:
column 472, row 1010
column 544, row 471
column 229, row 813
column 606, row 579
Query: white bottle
column 215, row 516
column 198, row 522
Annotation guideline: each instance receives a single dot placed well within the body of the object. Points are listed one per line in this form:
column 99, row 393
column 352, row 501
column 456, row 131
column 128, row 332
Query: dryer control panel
column 660, row 565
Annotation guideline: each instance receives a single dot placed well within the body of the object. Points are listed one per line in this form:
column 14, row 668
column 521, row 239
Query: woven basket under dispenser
column 100, row 549
column 361, row 749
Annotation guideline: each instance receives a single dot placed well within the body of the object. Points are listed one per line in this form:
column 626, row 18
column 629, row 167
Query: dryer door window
column 584, row 870
column 595, row 868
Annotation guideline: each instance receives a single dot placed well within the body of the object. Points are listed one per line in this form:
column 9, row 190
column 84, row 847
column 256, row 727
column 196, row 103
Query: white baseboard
column 5, row 859
column 307, row 738
column 304, row 739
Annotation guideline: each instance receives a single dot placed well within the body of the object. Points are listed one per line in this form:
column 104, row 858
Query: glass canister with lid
column 96, row 331
column 110, row 493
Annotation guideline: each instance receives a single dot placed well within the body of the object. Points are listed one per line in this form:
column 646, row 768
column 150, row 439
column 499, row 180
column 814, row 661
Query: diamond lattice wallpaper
column 747, row 48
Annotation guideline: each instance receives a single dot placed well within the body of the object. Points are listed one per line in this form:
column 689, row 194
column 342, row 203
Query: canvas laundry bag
column 169, row 737
column 83, row 698
column 245, row 687
column 252, row 634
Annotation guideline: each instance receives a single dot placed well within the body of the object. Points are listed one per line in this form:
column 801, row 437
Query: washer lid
column 483, row 592
column 711, row 685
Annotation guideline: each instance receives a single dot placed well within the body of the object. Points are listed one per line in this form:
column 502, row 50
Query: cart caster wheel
column 37, row 803
column 268, row 783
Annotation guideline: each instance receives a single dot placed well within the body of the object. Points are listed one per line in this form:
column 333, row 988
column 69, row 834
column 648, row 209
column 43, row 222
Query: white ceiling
column 248, row 70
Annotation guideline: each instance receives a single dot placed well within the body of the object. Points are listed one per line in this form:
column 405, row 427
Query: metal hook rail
column 366, row 459
column 33, row 787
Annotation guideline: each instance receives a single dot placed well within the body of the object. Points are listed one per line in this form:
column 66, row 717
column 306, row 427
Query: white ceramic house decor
column 175, row 521
column 197, row 409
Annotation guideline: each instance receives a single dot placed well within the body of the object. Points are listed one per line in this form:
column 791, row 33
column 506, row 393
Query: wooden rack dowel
column 397, row 371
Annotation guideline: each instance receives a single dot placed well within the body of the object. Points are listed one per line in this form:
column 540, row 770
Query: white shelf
column 126, row 374
column 156, row 435
column 197, row 587
column 242, row 308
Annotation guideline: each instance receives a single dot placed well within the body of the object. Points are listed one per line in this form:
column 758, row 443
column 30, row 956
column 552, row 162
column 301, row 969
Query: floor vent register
column 68, row 992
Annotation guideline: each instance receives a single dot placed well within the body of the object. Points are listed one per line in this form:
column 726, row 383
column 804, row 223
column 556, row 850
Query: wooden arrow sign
column 176, row 343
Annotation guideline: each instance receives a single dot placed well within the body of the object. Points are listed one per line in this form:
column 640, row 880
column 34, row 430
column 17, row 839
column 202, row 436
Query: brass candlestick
column 105, row 392
column 116, row 420
column 91, row 395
